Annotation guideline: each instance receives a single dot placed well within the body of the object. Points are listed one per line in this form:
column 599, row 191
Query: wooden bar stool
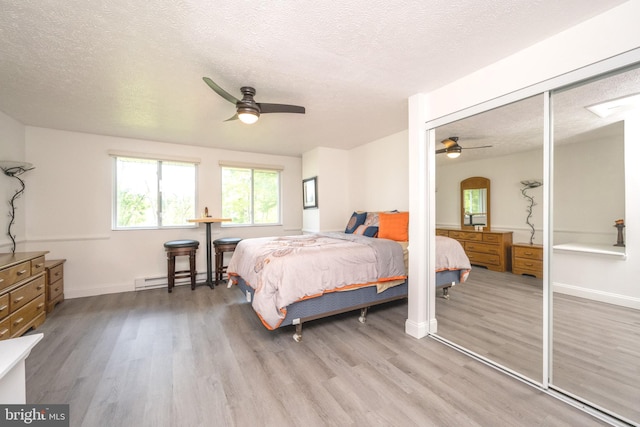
column 176, row 248
column 222, row 245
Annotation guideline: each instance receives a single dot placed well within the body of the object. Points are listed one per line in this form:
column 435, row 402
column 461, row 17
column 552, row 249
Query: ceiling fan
column 453, row 149
column 247, row 110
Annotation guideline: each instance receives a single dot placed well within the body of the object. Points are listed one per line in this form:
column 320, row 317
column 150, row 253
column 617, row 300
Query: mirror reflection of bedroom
column 588, row 304
column 495, row 314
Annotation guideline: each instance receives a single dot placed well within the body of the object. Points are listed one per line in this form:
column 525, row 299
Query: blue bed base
column 333, row 303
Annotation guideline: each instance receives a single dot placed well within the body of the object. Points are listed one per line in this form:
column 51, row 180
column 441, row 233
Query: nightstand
column 55, row 282
column 527, row 259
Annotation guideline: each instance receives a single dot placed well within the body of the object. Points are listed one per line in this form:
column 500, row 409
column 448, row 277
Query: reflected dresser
column 490, row 249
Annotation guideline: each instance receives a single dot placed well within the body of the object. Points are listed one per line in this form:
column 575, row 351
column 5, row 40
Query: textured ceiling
column 520, row 126
column 134, row 69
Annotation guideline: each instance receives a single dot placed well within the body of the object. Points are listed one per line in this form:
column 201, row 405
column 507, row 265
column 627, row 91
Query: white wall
column 12, row 149
column 68, row 211
column 604, row 36
column 372, row 177
column 310, row 168
column 378, row 175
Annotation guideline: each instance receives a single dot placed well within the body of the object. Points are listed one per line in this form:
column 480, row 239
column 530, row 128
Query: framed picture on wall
column 310, row 193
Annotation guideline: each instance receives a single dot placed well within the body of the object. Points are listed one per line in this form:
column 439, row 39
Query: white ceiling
column 134, row 68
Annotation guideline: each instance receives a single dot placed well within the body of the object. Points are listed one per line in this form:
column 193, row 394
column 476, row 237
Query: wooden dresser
column 527, row 259
column 22, row 293
column 491, row 249
column 55, row 282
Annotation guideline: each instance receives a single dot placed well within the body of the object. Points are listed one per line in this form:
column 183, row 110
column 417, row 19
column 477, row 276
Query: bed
column 291, row 280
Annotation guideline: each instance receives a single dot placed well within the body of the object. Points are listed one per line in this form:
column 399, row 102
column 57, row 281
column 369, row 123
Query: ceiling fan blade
column 482, row 146
column 223, row 93
column 280, row 108
column 450, row 142
column 234, row 117
column 440, row 151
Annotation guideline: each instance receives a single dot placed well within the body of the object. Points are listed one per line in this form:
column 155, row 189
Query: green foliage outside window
column 153, row 193
column 251, row 196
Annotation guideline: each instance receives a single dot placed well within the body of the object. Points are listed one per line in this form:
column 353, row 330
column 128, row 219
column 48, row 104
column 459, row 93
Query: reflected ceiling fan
column 247, row 110
column 453, row 149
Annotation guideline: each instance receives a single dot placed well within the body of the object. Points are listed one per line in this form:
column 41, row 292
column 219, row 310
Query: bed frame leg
column 445, row 292
column 297, row 337
column 363, row 315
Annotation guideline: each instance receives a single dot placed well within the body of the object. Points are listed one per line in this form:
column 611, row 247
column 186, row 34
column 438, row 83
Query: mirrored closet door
column 497, row 312
column 595, row 328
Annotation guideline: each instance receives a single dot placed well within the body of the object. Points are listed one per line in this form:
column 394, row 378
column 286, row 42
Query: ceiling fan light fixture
column 454, row 152
column 248, row 115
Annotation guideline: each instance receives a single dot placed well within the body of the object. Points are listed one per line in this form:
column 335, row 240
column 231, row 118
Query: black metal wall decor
column 14, row 170
column 527, row 185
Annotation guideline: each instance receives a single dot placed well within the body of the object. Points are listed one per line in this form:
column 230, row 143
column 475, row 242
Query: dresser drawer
column 527, row 264
column 5, row 328
column 56, row 289
column 25, row 293
column 492, row 238
column 482, row 247
column 37, row 265
column 480, row 258
column 528, row 253
column 55, row 273
column 465, row 235
column 4, row 306
column 22, row 319
column 442, row 233
column 11, row 275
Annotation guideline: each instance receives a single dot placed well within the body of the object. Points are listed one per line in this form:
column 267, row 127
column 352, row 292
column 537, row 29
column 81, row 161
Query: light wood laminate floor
column 596, row 346
column 202, row 358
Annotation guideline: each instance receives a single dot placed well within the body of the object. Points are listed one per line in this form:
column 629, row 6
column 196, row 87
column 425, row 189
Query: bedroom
column 82, row 238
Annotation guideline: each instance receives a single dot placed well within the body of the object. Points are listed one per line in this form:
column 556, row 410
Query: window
column 153, row 193
column 251, row 196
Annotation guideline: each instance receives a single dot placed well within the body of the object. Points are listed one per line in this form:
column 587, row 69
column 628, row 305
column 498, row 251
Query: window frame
column 159, row 160
column 253, row 169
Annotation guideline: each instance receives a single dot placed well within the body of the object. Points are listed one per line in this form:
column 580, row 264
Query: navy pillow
column 355, row 221
column 371, row 231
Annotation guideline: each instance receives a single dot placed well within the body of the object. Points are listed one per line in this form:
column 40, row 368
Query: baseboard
column 420, row 330
column 137, row 285
column 595, row 295
column 91, row 292
column 145, row 283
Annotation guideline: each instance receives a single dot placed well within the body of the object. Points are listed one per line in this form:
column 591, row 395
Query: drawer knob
column 18, row 321
column 17, row 300
column 40, row 306
column 39, row 265
column 21, row 272
column 4, row 331
column 57, row 273
column 40, row 287
column 4, row 307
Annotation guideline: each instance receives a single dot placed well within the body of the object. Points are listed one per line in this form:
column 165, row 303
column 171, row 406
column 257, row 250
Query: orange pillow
column 394, row 226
